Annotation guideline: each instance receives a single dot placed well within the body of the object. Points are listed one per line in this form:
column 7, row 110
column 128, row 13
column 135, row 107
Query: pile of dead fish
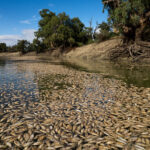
column 85, row 112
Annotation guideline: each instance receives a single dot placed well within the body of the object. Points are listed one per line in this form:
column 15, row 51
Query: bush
column 103, row 37
column 3, row 47
column 23, row 46
column 38, row 46
column 90, row 41
column 71, row 41
column 79, row 44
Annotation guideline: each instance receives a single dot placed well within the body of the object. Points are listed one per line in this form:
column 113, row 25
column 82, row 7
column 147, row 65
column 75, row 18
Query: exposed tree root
column 136, row 51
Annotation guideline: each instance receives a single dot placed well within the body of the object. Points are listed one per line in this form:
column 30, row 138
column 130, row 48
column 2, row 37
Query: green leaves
column 128, row 15
column 3, row 47
column 104, row 26
column 60, row 30
column 23, row 46
column 135, row 20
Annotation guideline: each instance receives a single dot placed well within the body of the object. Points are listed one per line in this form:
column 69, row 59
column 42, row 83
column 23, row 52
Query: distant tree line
column 60, row 31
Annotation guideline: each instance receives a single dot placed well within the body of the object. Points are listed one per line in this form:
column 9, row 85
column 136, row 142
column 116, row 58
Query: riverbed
column 55, row 104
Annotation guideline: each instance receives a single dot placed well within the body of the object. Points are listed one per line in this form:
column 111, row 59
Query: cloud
column 51, row 5
column 27, row 34
column 98, row 31
column 9, row 39
column 34, row 16
column 30, row 21
column 25, row 22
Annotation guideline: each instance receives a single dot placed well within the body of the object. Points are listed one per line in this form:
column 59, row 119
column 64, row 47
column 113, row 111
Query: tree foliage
column 130, row 17
column 103, row 32
column 38, row 46
column 23, row 46
column 3, row 47
column 60, row 30
column 104, row 27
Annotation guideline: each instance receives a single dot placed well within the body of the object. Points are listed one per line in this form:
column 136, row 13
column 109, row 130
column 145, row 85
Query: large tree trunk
column 138, row 35
column 139, row 31
column 129, row 34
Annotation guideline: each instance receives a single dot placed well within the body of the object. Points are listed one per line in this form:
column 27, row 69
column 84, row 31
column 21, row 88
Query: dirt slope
column 94, row 51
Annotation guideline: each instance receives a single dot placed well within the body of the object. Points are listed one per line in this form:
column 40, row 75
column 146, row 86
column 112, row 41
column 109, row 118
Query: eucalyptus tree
column 60, row 30
column 23, row 46
column 130, row 17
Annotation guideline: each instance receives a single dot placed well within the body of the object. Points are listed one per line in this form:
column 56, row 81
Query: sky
column 19, row 18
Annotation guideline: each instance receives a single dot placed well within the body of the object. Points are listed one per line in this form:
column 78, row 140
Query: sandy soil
column 94, row 51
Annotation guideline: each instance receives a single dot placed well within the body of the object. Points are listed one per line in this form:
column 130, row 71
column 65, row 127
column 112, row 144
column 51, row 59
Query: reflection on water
column 2, row 62
column 16, row 85
column 138, row 75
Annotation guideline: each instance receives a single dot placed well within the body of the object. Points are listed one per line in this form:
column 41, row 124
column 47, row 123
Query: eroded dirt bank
column 95, row 51
column 113, row 49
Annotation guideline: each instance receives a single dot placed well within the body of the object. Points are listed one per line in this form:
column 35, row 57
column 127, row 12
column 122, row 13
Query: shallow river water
column 132, row 74
column 23, row 81
column 16, row 83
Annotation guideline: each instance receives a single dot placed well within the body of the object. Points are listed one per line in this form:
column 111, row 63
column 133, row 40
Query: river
column 22, row 82
column 63, row 104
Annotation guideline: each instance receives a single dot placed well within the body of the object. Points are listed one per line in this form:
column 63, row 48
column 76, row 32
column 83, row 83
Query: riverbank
column 132, row 73
column 95, row 51
column 71, row 110
column 113, row 50
column 110, row 50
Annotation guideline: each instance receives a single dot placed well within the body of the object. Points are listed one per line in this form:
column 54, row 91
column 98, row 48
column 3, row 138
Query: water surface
column 17, row 84
column 132, row 74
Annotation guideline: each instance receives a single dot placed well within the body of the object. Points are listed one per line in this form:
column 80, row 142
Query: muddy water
column 132, row 74
column 18, row 84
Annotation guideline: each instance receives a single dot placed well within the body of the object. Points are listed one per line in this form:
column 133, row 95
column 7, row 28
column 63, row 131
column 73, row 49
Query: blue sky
column 19, row 18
